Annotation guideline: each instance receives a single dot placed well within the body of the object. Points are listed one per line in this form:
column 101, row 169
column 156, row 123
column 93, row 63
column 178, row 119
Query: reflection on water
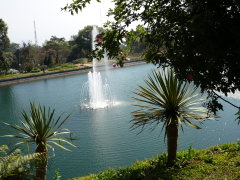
column 105, row 139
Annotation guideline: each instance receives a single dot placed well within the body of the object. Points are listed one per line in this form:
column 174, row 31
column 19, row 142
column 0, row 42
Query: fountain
column 96, row 93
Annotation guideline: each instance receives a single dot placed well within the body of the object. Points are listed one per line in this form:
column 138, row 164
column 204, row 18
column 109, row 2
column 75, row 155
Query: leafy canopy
column 81, row 44
column 4, row 40
column 5, row 57
column 199, row 38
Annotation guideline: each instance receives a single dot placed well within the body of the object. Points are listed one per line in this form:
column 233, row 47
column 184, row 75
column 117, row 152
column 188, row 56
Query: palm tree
column 170, row 101
column 41, row 128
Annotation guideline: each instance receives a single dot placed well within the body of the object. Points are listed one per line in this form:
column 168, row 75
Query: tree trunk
column 41, row 162
column 172, row 138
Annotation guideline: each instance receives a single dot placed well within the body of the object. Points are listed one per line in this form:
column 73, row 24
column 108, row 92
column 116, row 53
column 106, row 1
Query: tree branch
column 226, row 100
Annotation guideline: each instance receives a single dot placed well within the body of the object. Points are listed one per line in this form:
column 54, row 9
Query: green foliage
column 35, row 69
column 77, row 5
column 13, row 47
column 40, row 127
column 63, row 66
column 229, row 147
column 238, row 116
column 191, row 164
column 134, row 44
column 161, row 160
column 4, row 40
column 14, row 165
column 82, row 43
column 6, row 59
column 43, row 68
column 138, row 170
column 80, row 61
column 28, row 66
column 26, row 57
column 56, row 51
column 208, row 158
column 168, row 99
column 57, row 175
column 183, row 157
column 192, row 36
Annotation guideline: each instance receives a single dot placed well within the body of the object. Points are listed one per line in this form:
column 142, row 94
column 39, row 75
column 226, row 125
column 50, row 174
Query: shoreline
column 61, row 74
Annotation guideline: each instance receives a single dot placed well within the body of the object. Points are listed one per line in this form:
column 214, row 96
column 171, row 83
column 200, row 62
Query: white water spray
column 96, row 93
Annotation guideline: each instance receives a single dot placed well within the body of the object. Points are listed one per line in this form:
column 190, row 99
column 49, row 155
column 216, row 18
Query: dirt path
column 60, row 74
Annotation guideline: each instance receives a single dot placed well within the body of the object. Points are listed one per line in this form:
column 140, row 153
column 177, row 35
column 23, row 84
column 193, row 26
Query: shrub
column 35, row 70
column 207, row 158
column 15, row 165
column 63, row 66
column 80, row 61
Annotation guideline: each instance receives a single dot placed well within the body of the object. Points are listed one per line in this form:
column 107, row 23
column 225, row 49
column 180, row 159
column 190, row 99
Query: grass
column 10, row 76
column 57, row 68
column 63, row 67
column 217, row 162
column 53, row 69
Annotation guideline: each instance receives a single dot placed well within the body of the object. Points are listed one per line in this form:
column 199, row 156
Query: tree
column 13, row 47
column 199, row 38
column 41, row 128
column 57, row 47
column 5, row 57
column 169, row 101
column 27, row 57
column 81, row 43
column 14, row 50
column 4, row 40
column 137, row 48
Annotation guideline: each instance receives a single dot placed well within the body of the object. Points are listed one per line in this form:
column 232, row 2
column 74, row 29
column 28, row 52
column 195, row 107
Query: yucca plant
column 41, row 128
column 170, row 101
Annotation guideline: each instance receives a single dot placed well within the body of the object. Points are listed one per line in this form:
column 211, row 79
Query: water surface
column 105, row 138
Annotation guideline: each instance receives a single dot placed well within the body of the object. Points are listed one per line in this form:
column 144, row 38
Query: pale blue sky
column 50, row 20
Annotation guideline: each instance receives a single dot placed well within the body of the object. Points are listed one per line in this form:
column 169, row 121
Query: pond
column 105, row 138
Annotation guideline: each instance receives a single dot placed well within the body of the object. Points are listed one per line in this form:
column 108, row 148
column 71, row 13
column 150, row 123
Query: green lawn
column 63, row 67
column 217, row 163
column 66, row 66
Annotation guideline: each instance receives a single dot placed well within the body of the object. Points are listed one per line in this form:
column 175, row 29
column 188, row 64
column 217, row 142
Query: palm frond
column 166, row 99
column 40, row 126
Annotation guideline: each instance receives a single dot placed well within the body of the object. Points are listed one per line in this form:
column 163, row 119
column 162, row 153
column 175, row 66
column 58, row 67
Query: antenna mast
column 35, row 33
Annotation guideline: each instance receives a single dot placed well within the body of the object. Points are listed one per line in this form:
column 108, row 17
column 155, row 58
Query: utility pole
column 35, row 33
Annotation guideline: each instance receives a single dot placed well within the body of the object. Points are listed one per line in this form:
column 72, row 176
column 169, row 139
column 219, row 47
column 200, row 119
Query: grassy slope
column 217, row 162
column 57, row 68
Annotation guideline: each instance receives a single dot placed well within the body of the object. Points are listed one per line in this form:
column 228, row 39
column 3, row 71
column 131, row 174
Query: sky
column 19, row 15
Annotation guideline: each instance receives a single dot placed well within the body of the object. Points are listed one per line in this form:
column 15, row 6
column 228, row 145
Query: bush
column 62, row 67
column 207, row 158
column 15, row 165
column 80, row 61
column 35, row 70
column 28, row 66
